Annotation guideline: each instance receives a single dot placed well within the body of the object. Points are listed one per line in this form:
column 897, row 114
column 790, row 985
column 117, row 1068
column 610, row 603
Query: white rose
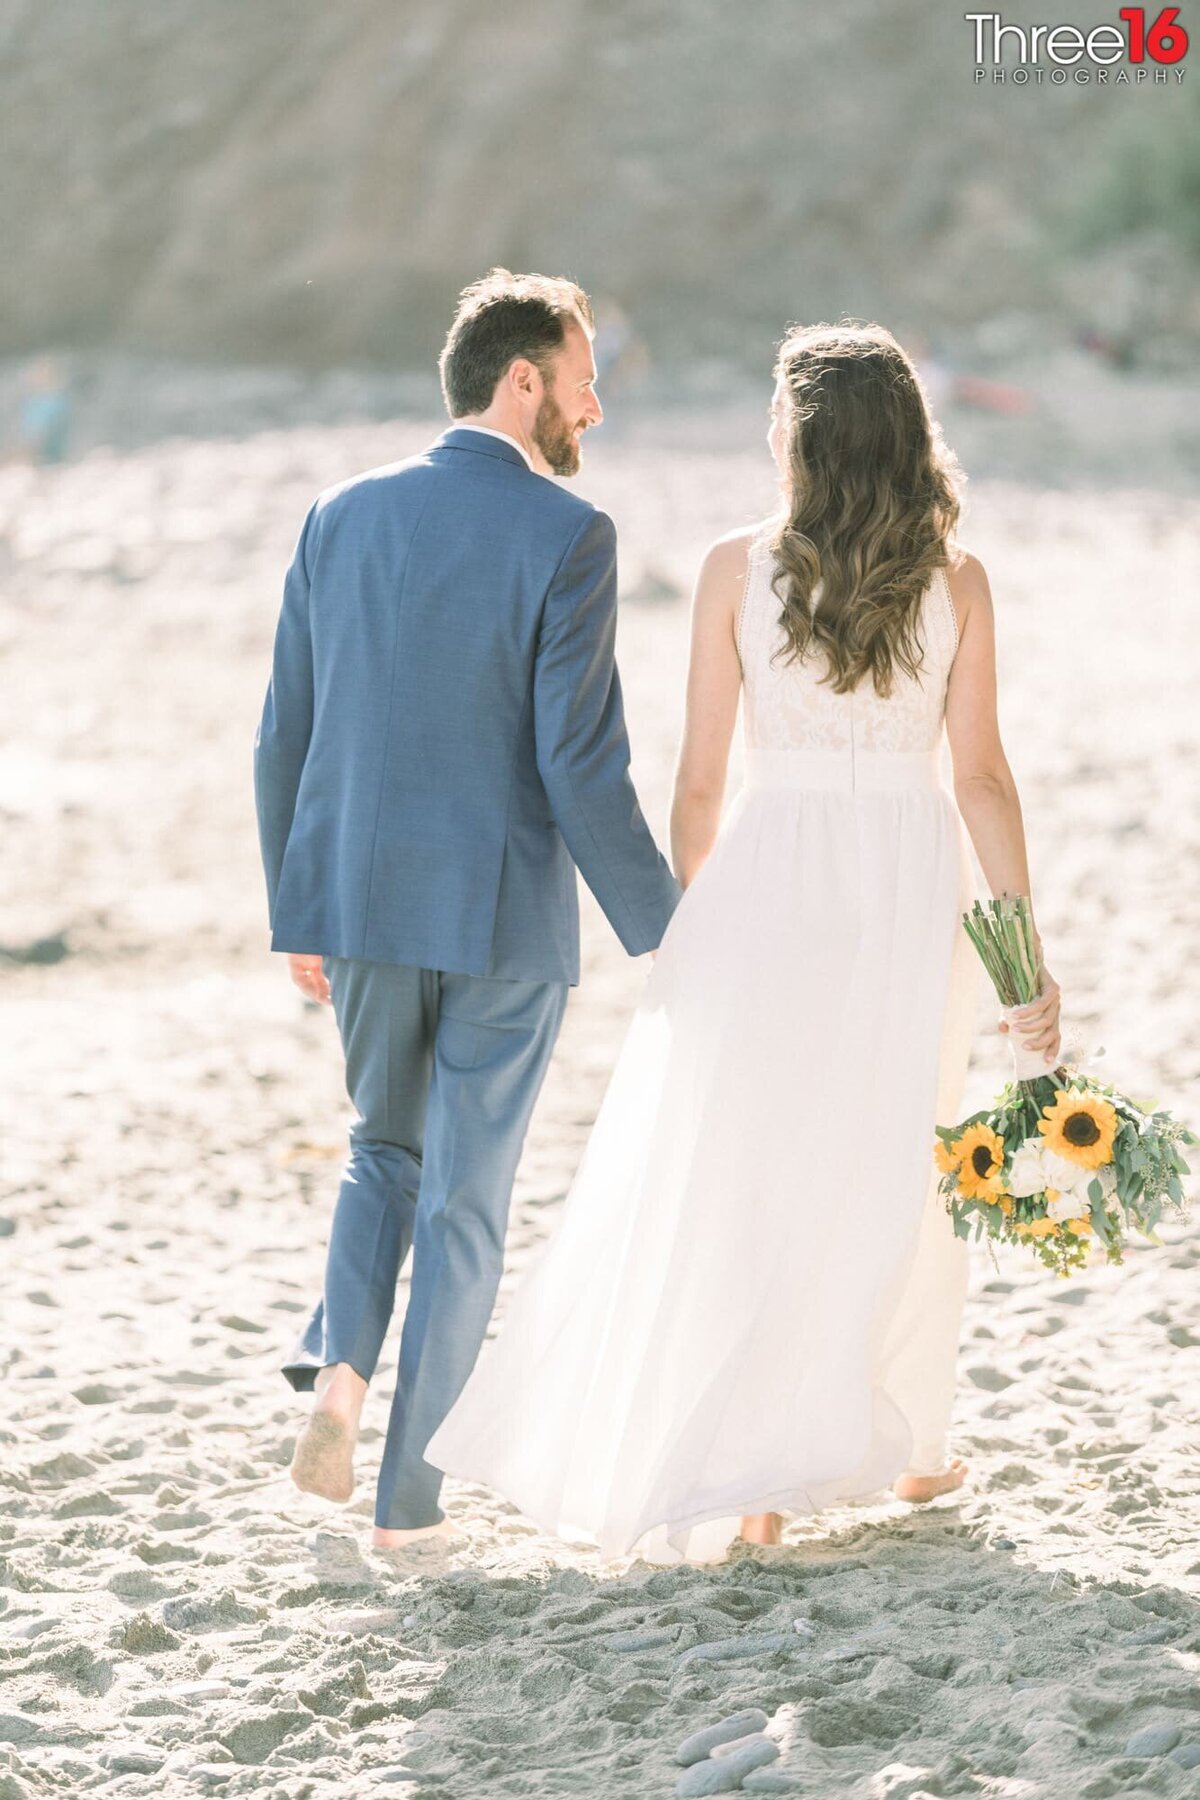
column 1066, row 1206
column 1027, row 1174
column 1062, row 1173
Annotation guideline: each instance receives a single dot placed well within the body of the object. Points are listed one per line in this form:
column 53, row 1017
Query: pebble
column 201, row 1690
column 17, row 1728
column 31, row 1628
column 757, row 1644
column 1187, row 1756
column 740, row 1744
column 1153, row 1740
column 696, row 1747
column 805, row 1627
column 771, row 1781
column 132, row 1759
column 726, row 1775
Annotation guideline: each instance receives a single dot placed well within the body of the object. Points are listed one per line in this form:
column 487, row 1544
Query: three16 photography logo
column 1146, row 48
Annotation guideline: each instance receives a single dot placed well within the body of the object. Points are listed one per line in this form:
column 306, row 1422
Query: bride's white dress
column 751, row 1300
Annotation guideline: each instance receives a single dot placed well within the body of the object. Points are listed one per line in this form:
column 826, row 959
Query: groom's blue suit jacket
column 443, row 738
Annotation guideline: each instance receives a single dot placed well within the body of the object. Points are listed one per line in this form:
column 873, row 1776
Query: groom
column 441, row 746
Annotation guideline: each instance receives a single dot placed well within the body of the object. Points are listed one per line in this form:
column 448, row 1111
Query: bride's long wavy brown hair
column 870, row 502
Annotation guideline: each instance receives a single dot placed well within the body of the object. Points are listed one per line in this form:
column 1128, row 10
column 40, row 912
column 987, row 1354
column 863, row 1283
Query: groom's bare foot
column 916, row 1488
column 762, row 1528
column 323, row 1460
column 386, row 1537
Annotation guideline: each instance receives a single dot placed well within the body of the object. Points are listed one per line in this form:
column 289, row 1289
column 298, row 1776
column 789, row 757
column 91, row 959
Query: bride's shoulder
column 727, row 559
column 967, row 580
column 721, row 583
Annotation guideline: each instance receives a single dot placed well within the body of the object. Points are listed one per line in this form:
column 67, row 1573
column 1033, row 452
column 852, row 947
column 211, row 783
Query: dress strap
column 945, row 589
column 756, row 571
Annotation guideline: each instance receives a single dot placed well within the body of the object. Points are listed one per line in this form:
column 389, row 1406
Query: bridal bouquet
column 1059, row 1161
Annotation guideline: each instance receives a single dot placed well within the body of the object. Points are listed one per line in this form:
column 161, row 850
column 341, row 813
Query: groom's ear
column 525, row 378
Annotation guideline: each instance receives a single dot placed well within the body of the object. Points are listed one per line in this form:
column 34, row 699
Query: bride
column 750, row 1305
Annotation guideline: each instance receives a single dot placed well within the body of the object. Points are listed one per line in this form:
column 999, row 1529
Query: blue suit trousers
column 443, row 1070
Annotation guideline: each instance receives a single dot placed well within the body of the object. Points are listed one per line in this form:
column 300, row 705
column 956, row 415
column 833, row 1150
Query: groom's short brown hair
column 498, row 319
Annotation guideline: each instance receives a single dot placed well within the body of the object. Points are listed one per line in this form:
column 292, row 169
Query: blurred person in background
column 44, row 414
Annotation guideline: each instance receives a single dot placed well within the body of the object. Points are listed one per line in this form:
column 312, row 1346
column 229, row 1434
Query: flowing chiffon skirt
column 751, row 1299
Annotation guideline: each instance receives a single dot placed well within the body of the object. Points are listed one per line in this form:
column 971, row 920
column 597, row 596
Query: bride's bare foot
column 762, row 1528
column 323, row 1460
column 916, row 1488
column 386, row 1537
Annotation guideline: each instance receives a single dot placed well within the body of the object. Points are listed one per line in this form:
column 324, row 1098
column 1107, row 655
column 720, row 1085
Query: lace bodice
column 788, row 707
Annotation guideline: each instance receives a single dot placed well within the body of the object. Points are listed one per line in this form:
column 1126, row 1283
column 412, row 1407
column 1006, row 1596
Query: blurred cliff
column 306, row 185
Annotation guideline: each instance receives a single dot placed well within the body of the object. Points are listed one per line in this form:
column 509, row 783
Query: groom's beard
column 555, row 438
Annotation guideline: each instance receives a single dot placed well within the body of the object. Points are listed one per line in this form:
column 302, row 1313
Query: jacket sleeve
column 582, row 746
column 281, row 742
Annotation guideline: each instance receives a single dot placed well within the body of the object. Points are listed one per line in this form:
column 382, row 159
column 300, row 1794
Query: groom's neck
column 506, row 419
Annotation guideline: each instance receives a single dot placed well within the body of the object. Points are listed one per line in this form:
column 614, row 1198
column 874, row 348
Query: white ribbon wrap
column 1027, row 1063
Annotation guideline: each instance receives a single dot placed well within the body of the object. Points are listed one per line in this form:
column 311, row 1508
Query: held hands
column 309, row 977
column 1038, row 1020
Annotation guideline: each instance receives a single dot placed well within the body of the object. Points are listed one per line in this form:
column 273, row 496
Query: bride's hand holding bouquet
column 1059, row 1161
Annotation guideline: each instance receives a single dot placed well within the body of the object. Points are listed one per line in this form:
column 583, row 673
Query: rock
column 739, row 1744
column 31, row 1628
column 18, row 1728
column 756, row 1644
column 725, row 1776
column 993, row 1381
column 805, row 1627
column 1186, row 1755
column 132, row 1759
column 696, row 1747
column 1153, row 1740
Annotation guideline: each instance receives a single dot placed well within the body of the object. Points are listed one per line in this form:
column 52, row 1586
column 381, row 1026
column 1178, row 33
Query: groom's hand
column 309, row 977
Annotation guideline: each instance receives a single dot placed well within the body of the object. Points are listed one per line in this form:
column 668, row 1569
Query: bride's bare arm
column 983, row 782
column 714, row 681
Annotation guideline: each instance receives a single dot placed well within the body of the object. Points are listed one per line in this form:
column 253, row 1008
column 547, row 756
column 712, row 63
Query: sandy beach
column 174, row 1617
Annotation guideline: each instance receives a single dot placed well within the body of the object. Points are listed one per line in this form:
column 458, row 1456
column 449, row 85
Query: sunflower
column 1081, row 1227
column 1037, row 1228
column 1080, row 1127
column 981, row 1163
column 947, row 1156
